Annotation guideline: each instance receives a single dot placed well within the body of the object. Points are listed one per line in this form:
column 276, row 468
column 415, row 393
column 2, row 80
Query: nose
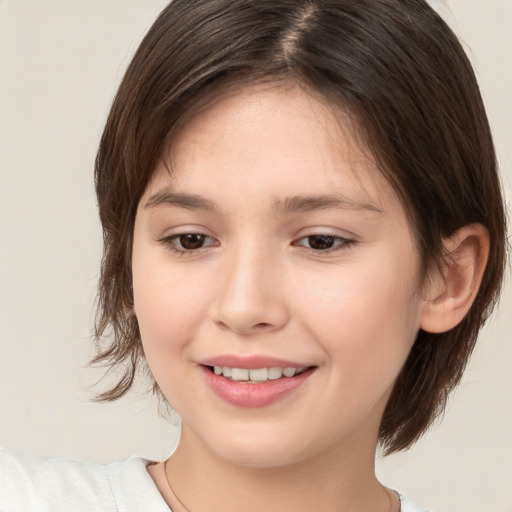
column 252, row 294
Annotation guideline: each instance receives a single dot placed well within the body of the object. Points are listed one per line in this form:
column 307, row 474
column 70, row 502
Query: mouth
column 256, row 375
column 256, row 387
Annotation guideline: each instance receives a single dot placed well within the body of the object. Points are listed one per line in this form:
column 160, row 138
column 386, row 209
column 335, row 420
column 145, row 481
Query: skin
column 257, row 287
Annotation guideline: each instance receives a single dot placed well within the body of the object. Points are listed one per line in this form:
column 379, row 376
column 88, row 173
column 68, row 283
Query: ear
column 452, row 291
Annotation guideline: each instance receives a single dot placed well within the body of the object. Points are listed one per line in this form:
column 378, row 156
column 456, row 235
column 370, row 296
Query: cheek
column 163, row 315
column 369, row 317
column 366, row 326
column 167, row 304
column 167, row 313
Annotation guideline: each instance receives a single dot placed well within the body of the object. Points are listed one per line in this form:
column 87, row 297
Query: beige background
column 60, row 62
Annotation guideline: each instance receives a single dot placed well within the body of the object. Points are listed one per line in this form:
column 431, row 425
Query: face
column 276, row 282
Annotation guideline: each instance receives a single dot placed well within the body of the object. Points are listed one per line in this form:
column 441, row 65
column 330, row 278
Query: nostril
column 261, row 325
column 222, row 325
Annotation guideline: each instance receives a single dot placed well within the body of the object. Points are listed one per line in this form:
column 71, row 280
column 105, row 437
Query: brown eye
column 191, row 241
column 323, row 242
column 188, row 243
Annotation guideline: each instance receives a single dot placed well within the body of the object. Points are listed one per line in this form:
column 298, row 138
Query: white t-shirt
column 29, row 483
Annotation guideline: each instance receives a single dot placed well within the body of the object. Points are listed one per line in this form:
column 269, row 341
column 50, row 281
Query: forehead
column 269, row 139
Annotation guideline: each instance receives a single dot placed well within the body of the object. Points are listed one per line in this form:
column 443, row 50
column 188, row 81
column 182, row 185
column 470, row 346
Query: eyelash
column 340, row 243
column 170, row 242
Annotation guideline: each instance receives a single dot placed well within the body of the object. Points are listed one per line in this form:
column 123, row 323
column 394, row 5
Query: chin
column 259, row 450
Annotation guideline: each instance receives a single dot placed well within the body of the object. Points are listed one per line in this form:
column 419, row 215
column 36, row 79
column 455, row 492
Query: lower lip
column 259, row 394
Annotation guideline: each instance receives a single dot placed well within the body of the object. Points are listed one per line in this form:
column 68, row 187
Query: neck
column 342, row 480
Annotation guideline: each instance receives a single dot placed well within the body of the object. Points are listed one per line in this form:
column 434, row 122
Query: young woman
column 304, row 234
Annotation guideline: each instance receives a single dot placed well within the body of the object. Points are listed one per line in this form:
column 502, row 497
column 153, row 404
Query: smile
column 255, row 387
column 253, row 375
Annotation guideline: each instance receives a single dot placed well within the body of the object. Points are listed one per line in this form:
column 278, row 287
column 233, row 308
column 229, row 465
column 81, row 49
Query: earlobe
column 453, row 291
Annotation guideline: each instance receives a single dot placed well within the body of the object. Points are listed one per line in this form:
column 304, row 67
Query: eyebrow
column 322, row 202
column 289, row 205
column 188, row 201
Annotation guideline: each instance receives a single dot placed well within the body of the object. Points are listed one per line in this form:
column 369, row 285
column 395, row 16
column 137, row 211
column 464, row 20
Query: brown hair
column 396, row 67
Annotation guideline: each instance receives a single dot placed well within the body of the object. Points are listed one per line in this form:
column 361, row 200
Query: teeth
column 289, row 372
column 240, row 374
column 257, row 374
column 275, row 373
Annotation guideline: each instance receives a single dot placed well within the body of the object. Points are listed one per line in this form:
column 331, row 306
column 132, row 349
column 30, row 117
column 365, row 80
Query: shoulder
column 30, row 483
column 408, row 506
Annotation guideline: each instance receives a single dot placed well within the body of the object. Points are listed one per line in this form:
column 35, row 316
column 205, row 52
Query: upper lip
column 251, row 362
